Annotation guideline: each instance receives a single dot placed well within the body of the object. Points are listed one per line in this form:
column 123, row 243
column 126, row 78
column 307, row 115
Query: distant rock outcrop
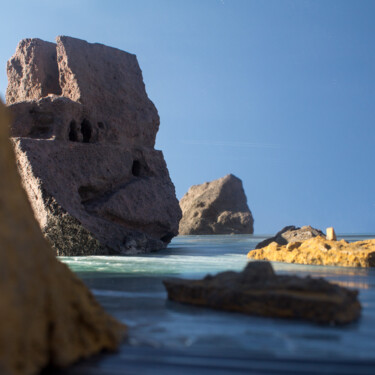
column 47, row 315
column 257, row 290
column 291, row 234
column 319, row 251
column 216, row 207
column 84, row 133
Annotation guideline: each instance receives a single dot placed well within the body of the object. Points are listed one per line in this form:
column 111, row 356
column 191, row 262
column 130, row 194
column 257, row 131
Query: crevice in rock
column 92, row 196
column 40, row 131
column 136, row 168
column 88, row 192
column 167, row 237
column 73, row 131
column 86, row 130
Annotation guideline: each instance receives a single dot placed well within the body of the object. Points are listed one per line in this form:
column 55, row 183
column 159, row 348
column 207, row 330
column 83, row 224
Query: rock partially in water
column 47, row 315
column 84, row 132
column 257, row 290
column 320, row 251
column 216, row 207
column 291, row 234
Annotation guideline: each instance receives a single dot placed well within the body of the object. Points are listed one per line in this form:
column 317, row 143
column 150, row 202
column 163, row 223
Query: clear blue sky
column 279, row 93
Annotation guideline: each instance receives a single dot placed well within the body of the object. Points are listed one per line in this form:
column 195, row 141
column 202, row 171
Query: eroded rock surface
column 216, row 207
column 291, row 234
column 257, row 290
column 47, row 315
column 84, row 132
column 320, row 251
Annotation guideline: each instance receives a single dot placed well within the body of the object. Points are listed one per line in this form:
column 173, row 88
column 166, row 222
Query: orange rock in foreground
column 320, row 251
column 257, row 290
column 47, row 315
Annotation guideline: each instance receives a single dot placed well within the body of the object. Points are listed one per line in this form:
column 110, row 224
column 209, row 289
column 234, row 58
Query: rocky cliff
column 84, row 132
column 216, row 207
column 47, row 315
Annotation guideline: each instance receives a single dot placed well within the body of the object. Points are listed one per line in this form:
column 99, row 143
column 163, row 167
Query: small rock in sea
column 84, row 133
column 330, row 234
column 320, row 251
column 257, row 290
column 48, row 317
column 291, row 234
column 216, row 207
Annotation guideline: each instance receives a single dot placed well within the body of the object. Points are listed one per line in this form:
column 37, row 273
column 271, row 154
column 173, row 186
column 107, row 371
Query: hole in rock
column 86, row 130
column 73, row 134
column 100, row 125
column 136, row 168
column 167, row 237
column 87, row 192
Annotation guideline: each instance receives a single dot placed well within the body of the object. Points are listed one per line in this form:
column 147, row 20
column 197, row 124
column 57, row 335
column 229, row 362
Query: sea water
column 131, row 289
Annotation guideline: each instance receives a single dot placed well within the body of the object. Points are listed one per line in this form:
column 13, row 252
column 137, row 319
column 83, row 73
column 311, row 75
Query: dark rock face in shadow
column 84, row 132
column 47, row 315
column 291, row 234
column 216, row 207
column 257, row 290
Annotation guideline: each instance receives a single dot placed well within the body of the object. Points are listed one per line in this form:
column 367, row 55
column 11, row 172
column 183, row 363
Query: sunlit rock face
column 257, row 290
column 84, row 132
column 216, row 207
column 47, row 315
column 320, row 251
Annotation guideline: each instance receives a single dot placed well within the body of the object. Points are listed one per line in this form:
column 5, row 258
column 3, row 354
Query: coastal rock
column 331, row 235
column 216, row 207
column 47, row 315
column 291, row 234
column 85, row 151
column 257, row 290
column 320, row 251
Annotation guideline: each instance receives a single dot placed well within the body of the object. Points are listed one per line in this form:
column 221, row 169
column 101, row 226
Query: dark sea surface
column 170, row 338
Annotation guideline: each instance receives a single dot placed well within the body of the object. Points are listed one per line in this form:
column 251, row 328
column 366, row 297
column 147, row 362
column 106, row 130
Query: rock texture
column 257, row 290
column 84, row 133
column 47, row 315
column 291, row 234
column 320, row 251
column 216, row 207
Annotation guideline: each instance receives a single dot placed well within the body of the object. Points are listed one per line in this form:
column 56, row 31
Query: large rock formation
column 257, row 290
column 47, row 315
column 291, row 234
column 216, row 207
column 320, row 251
column 84, row 133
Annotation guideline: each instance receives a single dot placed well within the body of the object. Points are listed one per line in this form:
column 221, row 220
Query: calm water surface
column 131, row 289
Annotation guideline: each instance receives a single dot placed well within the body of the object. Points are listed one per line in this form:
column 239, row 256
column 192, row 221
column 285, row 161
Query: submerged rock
column 291, row 234
column 47, row 315
column 216, row 207
column 84, row 132
column 320, row 251
column 257, row 290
